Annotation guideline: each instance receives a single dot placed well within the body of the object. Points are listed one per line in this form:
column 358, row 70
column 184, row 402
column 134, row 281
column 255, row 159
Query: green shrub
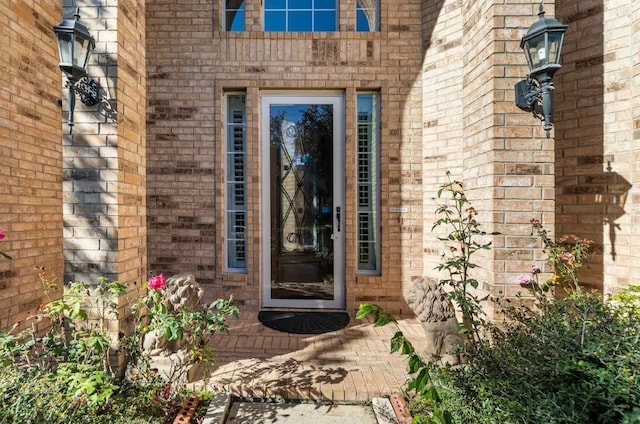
column 44, row 398
column 576, row 360
column 569, row 360
column 65, row 374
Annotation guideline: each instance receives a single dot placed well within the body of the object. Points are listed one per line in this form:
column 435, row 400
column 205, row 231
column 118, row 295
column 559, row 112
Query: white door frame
column 336, row 99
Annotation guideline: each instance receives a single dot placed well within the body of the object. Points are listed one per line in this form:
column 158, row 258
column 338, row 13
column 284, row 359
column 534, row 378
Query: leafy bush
column 569, row 360
column 189, row 328
column 56, row 368
column 576, row 360
column 42, row 397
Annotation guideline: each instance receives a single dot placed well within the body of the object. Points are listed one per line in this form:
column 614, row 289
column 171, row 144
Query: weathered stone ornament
column 181, row 291
column 436, row 313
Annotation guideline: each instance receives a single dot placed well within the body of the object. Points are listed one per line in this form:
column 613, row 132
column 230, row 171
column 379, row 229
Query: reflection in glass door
column 302, row 154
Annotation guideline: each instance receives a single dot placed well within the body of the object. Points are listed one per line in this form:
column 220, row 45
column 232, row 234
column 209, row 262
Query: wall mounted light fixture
column 75, row 44
column 542, row 45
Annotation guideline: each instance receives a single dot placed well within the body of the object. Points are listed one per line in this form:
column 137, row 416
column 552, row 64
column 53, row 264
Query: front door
column 303, row 201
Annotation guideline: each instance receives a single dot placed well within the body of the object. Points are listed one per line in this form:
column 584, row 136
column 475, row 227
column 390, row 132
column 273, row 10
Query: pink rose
column 1, row 233
column 157, row 282
column 525, row 280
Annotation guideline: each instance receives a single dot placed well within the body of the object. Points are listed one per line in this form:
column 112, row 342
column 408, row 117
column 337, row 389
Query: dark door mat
column 304, row 322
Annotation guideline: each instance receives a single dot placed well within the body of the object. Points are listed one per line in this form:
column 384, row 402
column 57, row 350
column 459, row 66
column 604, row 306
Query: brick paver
column 350, row 365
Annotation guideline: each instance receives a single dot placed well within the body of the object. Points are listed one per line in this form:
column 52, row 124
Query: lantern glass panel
column 65, row 47
column 81, row 52
column 536, row 51
column 555, row 44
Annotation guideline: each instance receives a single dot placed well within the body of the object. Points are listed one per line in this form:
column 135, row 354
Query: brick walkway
column 353, row 364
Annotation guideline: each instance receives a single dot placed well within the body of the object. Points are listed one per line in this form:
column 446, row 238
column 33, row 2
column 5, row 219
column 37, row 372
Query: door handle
column 338, row 216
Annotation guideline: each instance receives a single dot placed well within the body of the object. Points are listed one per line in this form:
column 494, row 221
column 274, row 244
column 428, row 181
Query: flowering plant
column 172, row 320
column 68, row 341
column 2, row 235
column 156, row 282
column 564, row 256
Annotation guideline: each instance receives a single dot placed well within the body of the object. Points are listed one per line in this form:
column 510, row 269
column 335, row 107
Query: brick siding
column 596, row 148
column 191, row 63
column 30, row 154
column 144, row 168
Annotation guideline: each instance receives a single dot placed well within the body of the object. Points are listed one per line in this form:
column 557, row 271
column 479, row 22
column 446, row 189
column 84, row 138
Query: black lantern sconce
column 75, row 43
column 542, row 45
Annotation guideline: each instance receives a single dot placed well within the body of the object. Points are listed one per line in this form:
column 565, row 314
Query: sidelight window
column 368, row 183
column 236, row 183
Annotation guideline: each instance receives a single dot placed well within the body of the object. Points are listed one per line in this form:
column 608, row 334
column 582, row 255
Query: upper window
column 234, row 15
column 301, row 15
column 367, row 16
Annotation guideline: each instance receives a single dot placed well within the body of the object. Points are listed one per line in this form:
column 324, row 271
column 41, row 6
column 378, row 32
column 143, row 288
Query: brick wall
column 597, row 132
column 442, row 103
column 445, row 72
column 190, row 65
column 473, row 129
column 447, row 105
column 30, row 154
column 105, row 157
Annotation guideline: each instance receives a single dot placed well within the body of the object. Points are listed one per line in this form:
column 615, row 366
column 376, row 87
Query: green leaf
column 365, row 309
column 397, row 341
column 384, row 320
column 420, row 382
column 379, row 319
column 77, row 312
column 431, row 394
column 407, row 347
column 415, row 363
column 442, row 416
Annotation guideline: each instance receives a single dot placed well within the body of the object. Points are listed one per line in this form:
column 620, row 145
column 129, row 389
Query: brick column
column 508, row 162
column 442, row 73
column 104, row 159
column 634, row 197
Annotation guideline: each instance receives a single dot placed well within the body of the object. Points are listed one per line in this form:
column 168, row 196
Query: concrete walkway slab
column 299, row 413
column 224, row 409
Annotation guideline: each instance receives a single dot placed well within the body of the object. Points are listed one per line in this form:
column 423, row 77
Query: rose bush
column 74, row 354
column 569, row 360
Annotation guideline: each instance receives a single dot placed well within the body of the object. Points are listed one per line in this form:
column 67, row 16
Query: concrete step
column 224, row 409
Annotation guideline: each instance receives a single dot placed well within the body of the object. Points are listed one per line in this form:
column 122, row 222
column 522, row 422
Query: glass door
column 302, row 194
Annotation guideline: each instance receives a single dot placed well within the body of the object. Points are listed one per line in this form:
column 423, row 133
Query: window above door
column 301, row 15
column 234, row 15
column 367, row 15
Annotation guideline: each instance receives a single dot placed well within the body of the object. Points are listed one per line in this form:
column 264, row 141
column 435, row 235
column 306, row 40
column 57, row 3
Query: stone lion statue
column 181, row 291
column 436, row 313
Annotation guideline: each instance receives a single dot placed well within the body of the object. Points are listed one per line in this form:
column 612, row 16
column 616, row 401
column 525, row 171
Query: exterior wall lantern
column 75, row 43
column 542, row 45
